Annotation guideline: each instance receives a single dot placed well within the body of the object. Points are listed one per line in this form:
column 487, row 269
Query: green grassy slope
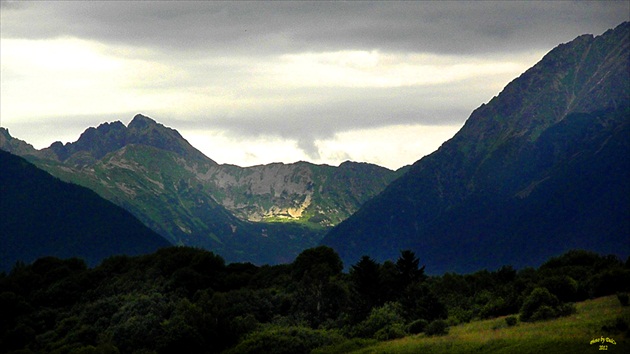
column 571, row 334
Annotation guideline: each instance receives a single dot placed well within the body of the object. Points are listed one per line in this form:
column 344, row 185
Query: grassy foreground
column 571, row 334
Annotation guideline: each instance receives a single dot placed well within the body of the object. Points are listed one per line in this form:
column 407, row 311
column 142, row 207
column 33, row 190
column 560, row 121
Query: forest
column 182, row 299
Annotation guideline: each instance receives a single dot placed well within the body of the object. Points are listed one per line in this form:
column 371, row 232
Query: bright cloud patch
column 376, row 69
column 230, row 149
column 69, row 76
column 392, row 146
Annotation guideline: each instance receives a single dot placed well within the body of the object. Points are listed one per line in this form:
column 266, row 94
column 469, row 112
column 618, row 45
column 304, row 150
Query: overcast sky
column 251, row 83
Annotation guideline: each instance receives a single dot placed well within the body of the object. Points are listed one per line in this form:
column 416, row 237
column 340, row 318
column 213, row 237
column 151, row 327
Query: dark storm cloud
column 265, row 27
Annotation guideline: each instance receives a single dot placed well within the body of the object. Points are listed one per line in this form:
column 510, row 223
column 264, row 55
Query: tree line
column 182, row 299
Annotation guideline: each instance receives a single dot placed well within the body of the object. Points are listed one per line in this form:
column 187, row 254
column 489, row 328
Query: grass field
column 571, row 334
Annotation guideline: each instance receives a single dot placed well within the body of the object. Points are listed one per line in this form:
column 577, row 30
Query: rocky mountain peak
column 13, row 145
column 588, row 73
column 97, row 142
column 141, row 122
column 146, row 131
column 545, row 161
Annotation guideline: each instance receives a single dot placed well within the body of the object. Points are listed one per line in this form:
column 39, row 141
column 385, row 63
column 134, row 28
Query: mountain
column 95, row 143
column 540, row 169
column 43, row 216
column 262, row 214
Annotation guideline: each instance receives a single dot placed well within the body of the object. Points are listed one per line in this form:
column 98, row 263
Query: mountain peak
column 545, row 161
column 13, row 145
column 95, row 143
column 141, row 122
column 146, row 131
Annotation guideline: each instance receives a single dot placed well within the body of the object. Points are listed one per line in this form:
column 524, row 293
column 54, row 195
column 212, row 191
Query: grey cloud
column 340, row 110
column 263, row 27
column 184, row 32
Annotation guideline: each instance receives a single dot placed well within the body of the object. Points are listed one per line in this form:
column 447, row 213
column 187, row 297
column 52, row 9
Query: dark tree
column 318, row 296
column 366, row 286
column 322, row 260
column 408, row 269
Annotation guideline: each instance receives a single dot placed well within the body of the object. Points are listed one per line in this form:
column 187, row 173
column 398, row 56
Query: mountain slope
column 43, row 216
column 540, row 169
column 262, row 214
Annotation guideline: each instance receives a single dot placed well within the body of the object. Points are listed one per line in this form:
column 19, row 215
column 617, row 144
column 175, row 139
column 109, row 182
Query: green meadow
column 597, row 319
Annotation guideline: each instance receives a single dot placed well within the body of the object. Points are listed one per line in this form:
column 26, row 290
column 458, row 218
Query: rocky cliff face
column 527, row 167
column 317, row 194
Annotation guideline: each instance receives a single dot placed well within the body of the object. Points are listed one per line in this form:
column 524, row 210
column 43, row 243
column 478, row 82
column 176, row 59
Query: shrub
column 458, row 315
column 538, row 298
column 544, row 312
column 347, row 346
column 609, row 282
column 566, row 309
column 436, row 328
column 495, row 307
column 620, row 325
column 542, row 305
column 563, row 287
column 510, row 321
column 623, row 298
column 417, row 326
column 289, row 340
column 390, row 332
column 380, row 318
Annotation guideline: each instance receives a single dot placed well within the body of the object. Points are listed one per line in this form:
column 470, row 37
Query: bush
column 544, row 312
column 563, row 287
column 436, row 328
column 458, row 315
column 495, row 307
column 390, row 332
column 620, row 325
column 566, row 309
column 623, row 298
column 347, row 346
column 380, row 318
column 510, row 321
column 417, row 326
column 542, row 305
column 538, row 298
column 289, row 340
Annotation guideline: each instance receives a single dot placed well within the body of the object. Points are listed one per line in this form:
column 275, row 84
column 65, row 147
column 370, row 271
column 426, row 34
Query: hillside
column 43, row 216
column 183, row 299
column 539, row 169
column 568, row 335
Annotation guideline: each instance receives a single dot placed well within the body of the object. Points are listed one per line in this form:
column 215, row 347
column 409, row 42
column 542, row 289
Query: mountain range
column 542, row 168
column 261, row 214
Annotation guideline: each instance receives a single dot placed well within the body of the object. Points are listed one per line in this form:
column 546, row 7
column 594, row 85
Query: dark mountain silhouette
column 43, row 216
column 542, row 168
